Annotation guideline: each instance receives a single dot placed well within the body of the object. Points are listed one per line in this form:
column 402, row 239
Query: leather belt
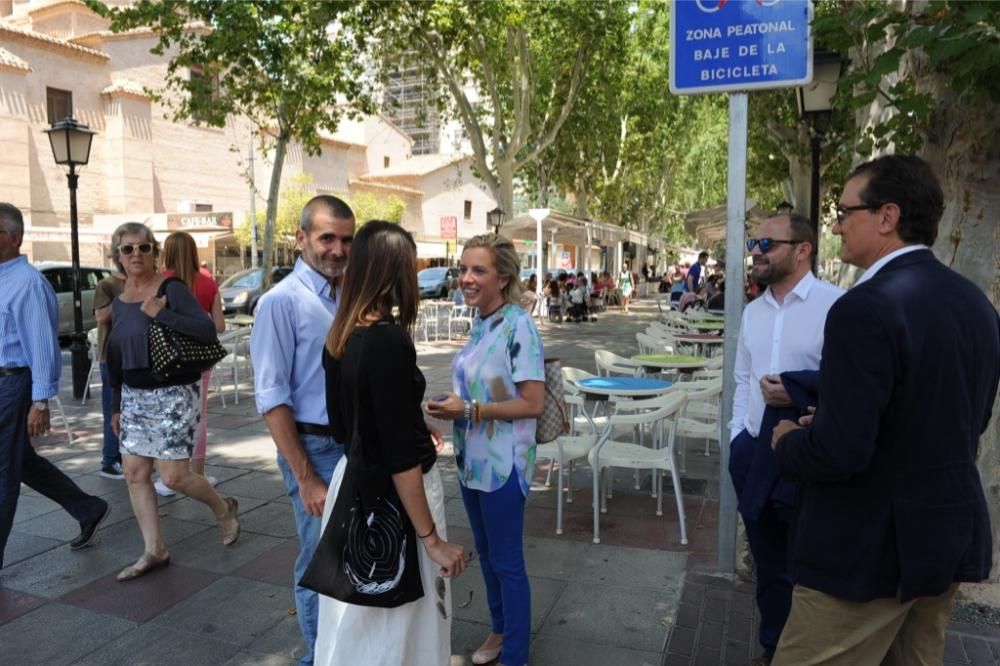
column 7, row 372
column 313, row 429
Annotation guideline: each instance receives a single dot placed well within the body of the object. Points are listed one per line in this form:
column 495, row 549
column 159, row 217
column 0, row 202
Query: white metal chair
column 233, row 342
column 92, row 355
column 462, row 316
column 610, row 453
column 54, row 401
column 564, row 450
column 649, row 344
column 610, row 364
column 701, row 417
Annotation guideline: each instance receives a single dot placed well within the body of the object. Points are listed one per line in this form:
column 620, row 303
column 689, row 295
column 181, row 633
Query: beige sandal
column 144, row 565
column 229, row 522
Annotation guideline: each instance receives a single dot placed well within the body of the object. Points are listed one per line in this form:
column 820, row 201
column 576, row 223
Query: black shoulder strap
column 163, row 285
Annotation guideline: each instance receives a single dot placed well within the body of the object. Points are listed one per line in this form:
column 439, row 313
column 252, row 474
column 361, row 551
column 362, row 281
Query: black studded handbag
column 172, row 353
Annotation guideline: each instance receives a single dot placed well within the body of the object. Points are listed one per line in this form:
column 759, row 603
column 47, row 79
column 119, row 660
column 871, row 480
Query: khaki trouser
column 822, row 629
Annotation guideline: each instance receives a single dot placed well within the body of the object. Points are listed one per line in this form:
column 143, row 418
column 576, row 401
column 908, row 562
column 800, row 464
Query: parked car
column 60, row 276
column 436, row 282
column 241, row 291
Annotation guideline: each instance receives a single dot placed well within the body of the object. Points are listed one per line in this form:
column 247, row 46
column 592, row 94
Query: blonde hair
column 505, row 260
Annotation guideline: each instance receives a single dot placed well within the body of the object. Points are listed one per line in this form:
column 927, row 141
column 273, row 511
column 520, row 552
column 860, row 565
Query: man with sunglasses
column 30, row 365
column 782, row 331
column 892, row 515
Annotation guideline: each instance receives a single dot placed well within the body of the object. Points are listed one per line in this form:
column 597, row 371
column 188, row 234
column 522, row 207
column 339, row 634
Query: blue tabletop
column 624, row 383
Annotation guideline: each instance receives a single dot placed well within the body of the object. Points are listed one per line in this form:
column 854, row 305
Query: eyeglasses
column 765, row 244
column 844, row 211
column 142, row 248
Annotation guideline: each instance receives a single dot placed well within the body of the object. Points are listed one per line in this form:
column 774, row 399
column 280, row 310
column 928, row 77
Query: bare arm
column 410, row 486
column 312, row 489
column 103, row 316
column 217, row 314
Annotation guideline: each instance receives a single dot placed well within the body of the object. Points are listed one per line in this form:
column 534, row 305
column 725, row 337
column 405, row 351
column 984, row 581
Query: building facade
column 58, row 59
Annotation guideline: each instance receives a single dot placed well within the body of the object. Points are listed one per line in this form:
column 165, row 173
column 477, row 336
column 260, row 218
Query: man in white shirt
column 781, row 331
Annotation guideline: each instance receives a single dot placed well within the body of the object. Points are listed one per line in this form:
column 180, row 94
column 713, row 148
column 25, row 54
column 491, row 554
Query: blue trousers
column 324, row 453
column 768, row 535
column 19, row 462
column 111, row 453
column 497, row 522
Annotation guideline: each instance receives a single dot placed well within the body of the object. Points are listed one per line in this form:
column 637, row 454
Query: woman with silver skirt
column 156, row 418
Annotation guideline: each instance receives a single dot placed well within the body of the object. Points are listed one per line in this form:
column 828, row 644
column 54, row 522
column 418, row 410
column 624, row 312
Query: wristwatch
column 41, row 405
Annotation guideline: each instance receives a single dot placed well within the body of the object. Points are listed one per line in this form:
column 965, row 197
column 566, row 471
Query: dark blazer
column 752, row 465
column 892, row 502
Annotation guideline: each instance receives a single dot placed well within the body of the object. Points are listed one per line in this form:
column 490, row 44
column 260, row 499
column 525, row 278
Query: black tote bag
column 367, row 555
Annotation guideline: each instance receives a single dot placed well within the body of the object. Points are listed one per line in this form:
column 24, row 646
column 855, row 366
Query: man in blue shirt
column 30, row 365
column 693, row 280
column 289, row 332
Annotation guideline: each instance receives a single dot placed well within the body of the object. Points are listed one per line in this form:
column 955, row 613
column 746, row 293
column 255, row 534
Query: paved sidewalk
column 612, row 603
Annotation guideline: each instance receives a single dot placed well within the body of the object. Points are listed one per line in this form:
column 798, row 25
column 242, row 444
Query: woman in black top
column 155, row 417
column 371, row 364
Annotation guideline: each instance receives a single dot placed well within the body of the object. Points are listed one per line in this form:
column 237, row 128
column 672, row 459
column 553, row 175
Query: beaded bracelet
column 467, row 411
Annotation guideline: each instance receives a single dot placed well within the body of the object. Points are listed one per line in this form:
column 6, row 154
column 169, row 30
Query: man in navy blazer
column 892, row 514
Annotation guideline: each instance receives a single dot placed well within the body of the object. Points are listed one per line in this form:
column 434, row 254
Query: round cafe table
column 667, row 362
column 707, row 325
column 631, row 387
column 703, row 342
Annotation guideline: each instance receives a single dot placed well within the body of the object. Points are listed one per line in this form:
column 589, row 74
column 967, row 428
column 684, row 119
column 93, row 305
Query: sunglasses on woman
column 765, row 244
column 141, row 248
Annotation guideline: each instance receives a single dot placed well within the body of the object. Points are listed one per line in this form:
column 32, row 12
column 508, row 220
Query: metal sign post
column 734, row 46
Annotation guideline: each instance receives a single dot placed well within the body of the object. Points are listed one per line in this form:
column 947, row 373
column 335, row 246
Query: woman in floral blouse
column 499, row 390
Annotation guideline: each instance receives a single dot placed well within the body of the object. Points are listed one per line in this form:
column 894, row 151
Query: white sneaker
column 162, row 490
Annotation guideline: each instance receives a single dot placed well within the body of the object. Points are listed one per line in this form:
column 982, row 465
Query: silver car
column 60, row 276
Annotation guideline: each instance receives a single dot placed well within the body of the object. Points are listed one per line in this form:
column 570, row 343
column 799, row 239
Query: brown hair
column 505, row 260
column 180, row 255
column 381, row 274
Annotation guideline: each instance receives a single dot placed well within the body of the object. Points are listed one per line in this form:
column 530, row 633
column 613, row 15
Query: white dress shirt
column 776, row 338
column 286, row 344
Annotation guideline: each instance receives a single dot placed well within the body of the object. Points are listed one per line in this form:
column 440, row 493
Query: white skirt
column 413, row 634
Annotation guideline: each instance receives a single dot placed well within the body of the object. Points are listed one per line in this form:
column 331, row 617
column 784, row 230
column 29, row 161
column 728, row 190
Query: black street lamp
column 495, row 219
column 70, row 142
column 815, row 105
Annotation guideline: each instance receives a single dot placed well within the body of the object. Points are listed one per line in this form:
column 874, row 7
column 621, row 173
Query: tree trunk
column 505, row 177
column 963, row 149
column 280, row 148
column 582, row 201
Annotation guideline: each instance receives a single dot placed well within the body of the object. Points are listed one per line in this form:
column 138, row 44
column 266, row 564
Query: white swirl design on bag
column 375, row 549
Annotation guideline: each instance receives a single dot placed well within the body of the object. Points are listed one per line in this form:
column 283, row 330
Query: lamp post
column 815, row 102
column 70, row 141
column 495, row 219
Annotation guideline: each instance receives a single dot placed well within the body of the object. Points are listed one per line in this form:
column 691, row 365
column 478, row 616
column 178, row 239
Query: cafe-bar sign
column 734, row 45
column 205, row 220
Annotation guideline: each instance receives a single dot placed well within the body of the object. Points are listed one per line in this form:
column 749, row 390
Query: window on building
column 468, row 210
column 203, row 208
column 59, row 104
column 204, row 88
column 385, row 162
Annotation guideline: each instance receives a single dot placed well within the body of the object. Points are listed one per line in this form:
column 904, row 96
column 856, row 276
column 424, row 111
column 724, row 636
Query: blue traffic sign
column 734, row 45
